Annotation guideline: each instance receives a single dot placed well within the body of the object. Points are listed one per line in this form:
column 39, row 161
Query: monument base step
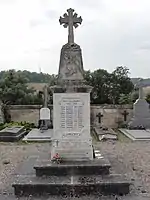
column 73, row 153
column 71, row 185
column 96, row 166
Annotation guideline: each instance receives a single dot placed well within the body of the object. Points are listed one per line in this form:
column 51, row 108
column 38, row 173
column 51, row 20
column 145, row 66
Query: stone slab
column 75, row 185
column 97, row 166
column 136, row 135
column 12, row 131
column 72, row 138
column 72, row 115
column 35, row 135
column 12, row 138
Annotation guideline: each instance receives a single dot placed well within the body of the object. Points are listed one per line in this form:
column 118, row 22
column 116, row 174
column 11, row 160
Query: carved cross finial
column 70, row 20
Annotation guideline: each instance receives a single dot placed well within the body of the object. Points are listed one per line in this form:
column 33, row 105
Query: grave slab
column 37, row 135
column 136, row 135
column 12, row 134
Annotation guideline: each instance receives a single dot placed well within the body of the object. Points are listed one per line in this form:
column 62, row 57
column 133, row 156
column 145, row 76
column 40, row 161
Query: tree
column 107, row 87
column 98, row 80
column 121, row 84
column 14, row 89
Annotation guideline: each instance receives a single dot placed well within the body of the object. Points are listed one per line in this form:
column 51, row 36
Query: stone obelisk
column 71, row 100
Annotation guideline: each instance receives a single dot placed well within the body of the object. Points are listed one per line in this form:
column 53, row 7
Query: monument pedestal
column 74, row 149
column 72, row 139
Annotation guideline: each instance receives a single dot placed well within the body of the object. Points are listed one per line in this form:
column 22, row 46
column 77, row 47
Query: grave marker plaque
column 72, row 124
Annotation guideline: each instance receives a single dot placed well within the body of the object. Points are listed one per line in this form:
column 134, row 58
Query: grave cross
column 70, row 20
column 125, row 114
column 99, row 115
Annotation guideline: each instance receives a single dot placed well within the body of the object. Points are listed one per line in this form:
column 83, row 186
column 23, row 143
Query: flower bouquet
column 57, row 159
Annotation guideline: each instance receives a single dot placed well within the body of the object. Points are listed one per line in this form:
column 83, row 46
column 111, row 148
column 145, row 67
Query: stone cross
column 70, row 20
column 45, row 96
column 99, row 115
column 125, row 114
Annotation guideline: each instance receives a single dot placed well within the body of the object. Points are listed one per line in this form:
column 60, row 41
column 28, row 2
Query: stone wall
column 112, row 114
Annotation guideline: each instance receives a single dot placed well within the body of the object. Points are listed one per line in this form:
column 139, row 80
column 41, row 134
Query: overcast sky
column 113, row 33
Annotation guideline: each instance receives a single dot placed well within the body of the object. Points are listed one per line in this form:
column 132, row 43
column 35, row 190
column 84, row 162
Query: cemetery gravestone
column 12, row 134
column 45, row 115
column 141, row 111
column 44, row 118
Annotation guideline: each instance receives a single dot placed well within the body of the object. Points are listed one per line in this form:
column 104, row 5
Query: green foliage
column 109, row 88
column 33, row 77
column 125, row 99
column 14, row 89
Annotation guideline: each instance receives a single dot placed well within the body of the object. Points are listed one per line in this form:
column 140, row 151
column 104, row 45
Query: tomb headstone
column 141, row 110
column 44, row 118
column 45, row 115
column 12, row 134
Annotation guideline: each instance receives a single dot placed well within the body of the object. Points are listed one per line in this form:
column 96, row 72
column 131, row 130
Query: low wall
column 112, row 114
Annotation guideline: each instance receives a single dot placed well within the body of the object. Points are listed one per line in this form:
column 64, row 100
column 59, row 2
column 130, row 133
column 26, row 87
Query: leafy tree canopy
column 108, row 88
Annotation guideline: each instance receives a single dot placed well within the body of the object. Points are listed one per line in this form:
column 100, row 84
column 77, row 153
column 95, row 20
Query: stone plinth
column 69, row 179
column 72, row 139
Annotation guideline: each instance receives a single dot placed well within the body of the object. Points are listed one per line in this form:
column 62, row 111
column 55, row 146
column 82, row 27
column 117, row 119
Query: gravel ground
column 132, row 159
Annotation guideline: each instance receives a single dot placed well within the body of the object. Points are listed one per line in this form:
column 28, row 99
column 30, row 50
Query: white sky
column 113, row 33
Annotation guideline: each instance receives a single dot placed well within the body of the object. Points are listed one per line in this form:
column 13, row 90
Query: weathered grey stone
column 136, row 135
column 71, row 101
column 35, row 135
column 71, row 65
column 70, row 20
column 72, row 139
column 12, row 134
column 141, row 110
